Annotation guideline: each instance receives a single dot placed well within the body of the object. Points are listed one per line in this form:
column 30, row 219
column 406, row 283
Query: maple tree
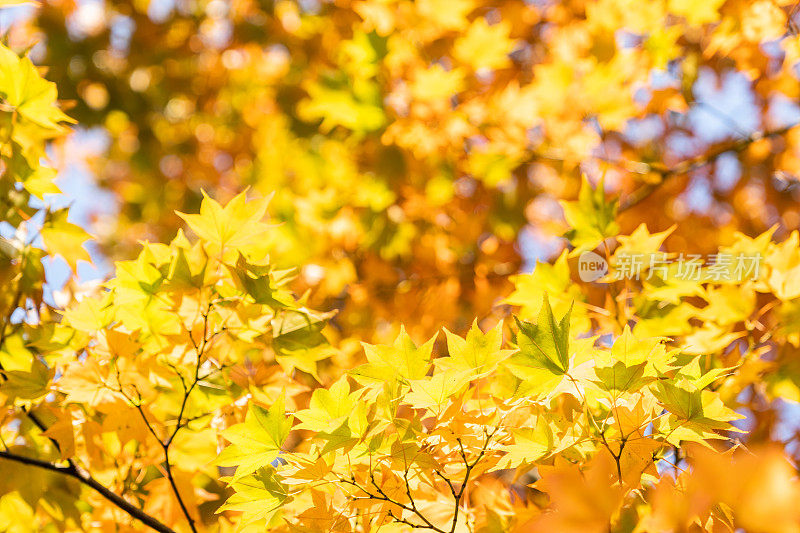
column 309, row 190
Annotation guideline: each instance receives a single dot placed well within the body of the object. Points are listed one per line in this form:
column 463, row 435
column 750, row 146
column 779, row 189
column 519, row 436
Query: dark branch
column 75, row 472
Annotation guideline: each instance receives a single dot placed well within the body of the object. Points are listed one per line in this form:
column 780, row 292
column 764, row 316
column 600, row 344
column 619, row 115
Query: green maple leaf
column 258, row 496
column 542, row 361
column 695, row 415
column 545, row 344
column 257, row 442
column 622, row 377
column 262, row 283
column 591, row 217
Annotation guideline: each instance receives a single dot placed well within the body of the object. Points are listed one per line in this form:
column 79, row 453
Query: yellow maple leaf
column 696, row 13
column 65, row 239
column 485, row 47
column 236, row 225
column 32, row 96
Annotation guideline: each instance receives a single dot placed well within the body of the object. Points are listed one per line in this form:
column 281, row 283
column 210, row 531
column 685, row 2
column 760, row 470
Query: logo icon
column 591, row 266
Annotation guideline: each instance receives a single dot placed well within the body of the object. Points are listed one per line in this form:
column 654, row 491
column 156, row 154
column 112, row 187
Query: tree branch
column 75, row 472
column 382, row 496
column 72, row 469
column 469, row 467
column 693, row 163
column 187, row 391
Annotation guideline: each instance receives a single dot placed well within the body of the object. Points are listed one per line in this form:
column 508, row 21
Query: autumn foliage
column 392, row 266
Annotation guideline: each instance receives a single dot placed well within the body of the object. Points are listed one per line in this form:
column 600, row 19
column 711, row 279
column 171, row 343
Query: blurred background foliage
column 418, row 149
column 418, row 153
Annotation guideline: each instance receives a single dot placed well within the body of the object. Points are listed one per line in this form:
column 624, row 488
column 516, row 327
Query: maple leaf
column 401, row 361
column 622, row 377
column 262, row 283
column 434, row 392
column 62, row 431
column 479, row 353
column 37, row 179
column 328, row 407
column 530, row 445
column 258, row 496
column 545, row 344
column 484, row 46
column 257, row 442
column 435, row 83
column 298, row 340
column 65, row 239
column 237, row 225
column 696, row 415
column 27, row 385
column 696, row 14
column 641, row 241
column 321, row 516
column 90, row 314
column 33, row 97
column 554, row 280
column 783, row 267
column 451, row 14
column 591, row 217
column 581, row 500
